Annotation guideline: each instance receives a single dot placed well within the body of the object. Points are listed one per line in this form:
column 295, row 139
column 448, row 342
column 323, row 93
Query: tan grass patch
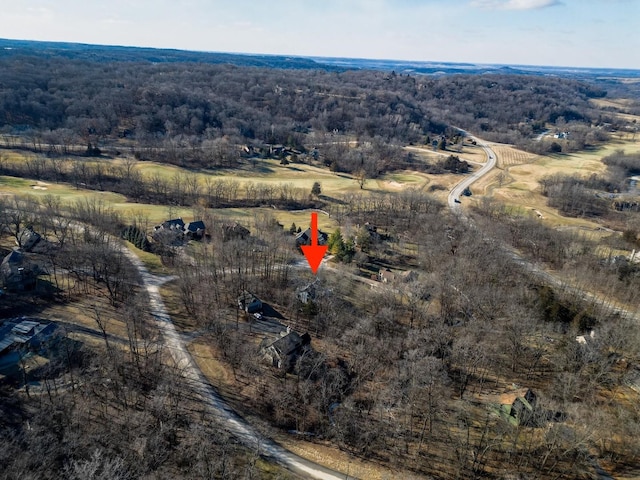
column 211, row 367
column 507, row 155
column 82, row 313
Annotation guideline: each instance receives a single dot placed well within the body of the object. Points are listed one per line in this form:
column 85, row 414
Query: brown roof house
column 386, row 276
column 233, row 231
column 284, row 351
column 17, row 272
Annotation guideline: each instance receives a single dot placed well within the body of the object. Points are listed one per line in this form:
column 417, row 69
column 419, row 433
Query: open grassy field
column 470, row 153
column 518, row 183
column 300, row 176
column 507, row 155
column 67, row 193
column 619, row 106
column 266, row 172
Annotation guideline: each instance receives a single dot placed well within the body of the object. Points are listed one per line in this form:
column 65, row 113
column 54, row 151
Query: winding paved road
column 456, row 191
column 218, row 407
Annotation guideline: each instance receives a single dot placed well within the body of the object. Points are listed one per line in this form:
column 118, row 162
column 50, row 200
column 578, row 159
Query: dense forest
column 444, row 338
column 205, row 115
column 408, row 374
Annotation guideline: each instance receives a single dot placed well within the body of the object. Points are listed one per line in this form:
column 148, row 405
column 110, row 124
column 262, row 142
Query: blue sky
column 588, row 33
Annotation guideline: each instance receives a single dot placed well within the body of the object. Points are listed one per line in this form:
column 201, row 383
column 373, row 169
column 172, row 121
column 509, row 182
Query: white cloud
column 514, row 4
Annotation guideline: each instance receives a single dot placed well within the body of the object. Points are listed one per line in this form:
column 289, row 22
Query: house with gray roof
column 17, row 272
column 283, row 351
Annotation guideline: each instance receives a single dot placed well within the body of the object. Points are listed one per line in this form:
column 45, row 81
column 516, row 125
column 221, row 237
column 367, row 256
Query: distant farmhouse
column 386, row 276
column 518, row 407
column 18, row 273
column 284, row 351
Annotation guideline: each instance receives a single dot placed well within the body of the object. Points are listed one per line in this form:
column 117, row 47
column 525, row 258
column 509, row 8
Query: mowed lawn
column 300, row 176
column 67, row 193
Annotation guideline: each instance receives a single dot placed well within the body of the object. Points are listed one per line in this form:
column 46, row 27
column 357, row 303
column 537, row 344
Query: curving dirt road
column 217, row 406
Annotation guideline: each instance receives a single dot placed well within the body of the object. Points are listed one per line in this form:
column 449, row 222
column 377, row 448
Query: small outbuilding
column 386, row 276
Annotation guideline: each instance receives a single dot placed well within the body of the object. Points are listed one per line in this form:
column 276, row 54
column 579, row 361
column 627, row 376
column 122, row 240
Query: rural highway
column 218, row 407
column 456, row 192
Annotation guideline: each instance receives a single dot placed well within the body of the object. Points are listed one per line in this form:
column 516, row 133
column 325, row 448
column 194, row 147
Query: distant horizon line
column 320, row 58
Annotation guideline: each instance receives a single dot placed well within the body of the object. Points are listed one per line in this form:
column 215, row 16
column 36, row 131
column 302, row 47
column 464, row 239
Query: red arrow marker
column 314, row 252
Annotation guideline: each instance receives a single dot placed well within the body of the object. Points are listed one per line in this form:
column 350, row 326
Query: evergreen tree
column 335, row 242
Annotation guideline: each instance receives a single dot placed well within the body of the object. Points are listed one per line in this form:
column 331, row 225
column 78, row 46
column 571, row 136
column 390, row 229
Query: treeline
column 68, row 102
column 627, row 163
column 182, row 189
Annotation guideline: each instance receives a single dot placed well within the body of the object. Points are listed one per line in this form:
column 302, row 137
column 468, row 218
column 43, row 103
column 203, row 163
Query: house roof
column 510, row 397
column 195, row 226
column 16, row 257
column 22, row 331
column 29, row 238
column 173, row 223
column 25, row 327
column 305, row 236
column 387, row 274
column 291, row 342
